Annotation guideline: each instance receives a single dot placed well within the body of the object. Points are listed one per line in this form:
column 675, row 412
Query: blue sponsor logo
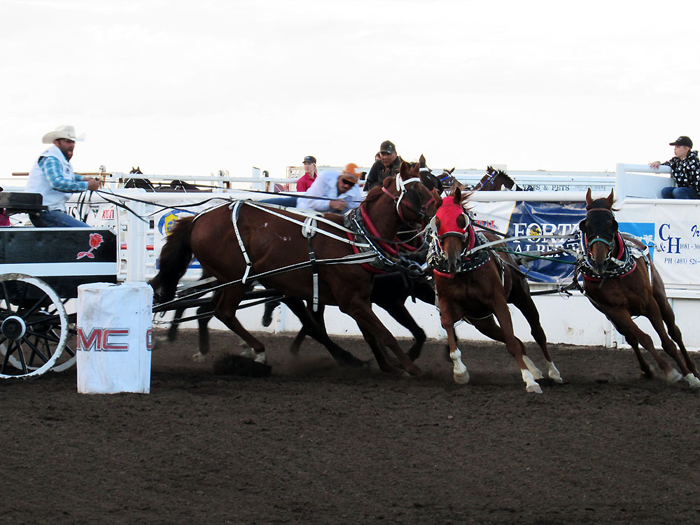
column 643, row 231
column 167, row 221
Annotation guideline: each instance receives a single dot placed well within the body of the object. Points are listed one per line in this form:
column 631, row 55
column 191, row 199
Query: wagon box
column 62, row 257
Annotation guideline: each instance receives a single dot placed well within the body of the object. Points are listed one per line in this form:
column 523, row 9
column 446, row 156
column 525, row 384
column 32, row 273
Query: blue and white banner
column 672, row 232
column 518, row 219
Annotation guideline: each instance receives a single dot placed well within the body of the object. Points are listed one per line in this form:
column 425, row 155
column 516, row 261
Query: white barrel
column 114, row 338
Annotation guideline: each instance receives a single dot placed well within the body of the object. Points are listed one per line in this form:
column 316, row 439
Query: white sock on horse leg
column 459, row 371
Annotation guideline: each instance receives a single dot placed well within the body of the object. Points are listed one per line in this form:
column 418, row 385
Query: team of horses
column 313, row 260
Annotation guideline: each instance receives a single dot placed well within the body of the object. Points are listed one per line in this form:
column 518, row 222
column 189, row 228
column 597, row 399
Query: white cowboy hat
column 62, row 132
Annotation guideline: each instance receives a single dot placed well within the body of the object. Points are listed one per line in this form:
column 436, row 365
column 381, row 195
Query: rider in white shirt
column 333, row 192
column 54, row 178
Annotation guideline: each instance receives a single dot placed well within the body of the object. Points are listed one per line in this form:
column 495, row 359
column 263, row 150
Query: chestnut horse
column 245, row 241
column 623, row 284
column 477, row 284
column 391, row 290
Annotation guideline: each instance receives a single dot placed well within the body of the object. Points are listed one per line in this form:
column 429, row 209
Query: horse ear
column 403, row 169
column 457, row 195
column 611, row 199
column 437, row 198
column 451, row 171
column 589, row 201
column 421, row 161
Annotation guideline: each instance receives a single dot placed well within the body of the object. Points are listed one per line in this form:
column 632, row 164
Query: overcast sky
column 192, row 87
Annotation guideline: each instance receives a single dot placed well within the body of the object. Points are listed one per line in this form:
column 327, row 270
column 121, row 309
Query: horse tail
column 175, row 257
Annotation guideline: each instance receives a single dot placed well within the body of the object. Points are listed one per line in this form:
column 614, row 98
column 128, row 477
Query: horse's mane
column 490, row 171
column 377, row 192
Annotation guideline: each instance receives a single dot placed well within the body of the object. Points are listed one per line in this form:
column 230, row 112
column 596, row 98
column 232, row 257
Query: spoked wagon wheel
column 33, row 326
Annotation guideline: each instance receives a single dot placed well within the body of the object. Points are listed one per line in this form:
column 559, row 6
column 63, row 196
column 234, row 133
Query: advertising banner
column 519, row 219
column 672, row 233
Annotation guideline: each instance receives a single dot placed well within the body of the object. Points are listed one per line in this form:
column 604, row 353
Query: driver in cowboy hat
column 54, row 178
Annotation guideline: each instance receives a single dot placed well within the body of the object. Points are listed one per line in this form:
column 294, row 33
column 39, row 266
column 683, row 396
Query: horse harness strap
column 381, row 262
column 318, row 218
column 472, row 258
column 235, row 210
column 309, row 230
column 622, row 264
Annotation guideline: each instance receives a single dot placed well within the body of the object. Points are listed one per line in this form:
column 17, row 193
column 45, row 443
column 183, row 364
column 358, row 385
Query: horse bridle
column 401, row 186
column 462, row 236
column 482, row 184
column 591, row 242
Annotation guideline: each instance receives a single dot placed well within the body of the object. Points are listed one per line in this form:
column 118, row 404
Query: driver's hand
column 93, row 184
column 338, row 205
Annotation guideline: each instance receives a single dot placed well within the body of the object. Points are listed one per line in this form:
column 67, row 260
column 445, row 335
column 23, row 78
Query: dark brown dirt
column 314, row 443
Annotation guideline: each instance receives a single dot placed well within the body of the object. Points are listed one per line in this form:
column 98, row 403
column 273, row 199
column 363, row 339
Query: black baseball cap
column 310, row 158
column 682, row 141
column 387, row 147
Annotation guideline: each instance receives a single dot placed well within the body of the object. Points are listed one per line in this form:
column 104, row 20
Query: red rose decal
column 95, row 241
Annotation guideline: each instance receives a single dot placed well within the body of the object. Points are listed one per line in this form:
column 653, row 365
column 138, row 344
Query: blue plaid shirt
column 54, row 173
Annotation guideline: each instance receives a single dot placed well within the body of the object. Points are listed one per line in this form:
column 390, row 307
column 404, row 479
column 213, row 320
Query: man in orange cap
column 334, row 192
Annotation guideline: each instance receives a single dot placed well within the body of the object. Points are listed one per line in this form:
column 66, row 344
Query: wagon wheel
column 33, row 326
column 68, row 357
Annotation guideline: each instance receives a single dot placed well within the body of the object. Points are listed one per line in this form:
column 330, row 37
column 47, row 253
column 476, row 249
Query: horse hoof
column 534, row 388
column 258, row 357
column 693, row 381
column 158, row 342
column 198, row 357
column 461, row 379
column 415, row 373
column 536, row 372
column 354, row 363
column 674, row 376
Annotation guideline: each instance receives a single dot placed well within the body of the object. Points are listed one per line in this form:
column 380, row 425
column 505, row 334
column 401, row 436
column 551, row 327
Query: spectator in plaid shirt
column 53, row 177
column 685, row 169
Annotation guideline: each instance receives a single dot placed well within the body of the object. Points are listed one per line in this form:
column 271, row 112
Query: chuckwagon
column 40, row 271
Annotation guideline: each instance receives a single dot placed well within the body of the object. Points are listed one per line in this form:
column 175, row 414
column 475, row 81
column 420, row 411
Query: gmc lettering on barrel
column 103, row 340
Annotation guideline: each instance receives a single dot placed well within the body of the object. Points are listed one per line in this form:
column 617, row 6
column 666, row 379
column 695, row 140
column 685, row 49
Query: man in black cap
column 387, row 166
column 685, row 169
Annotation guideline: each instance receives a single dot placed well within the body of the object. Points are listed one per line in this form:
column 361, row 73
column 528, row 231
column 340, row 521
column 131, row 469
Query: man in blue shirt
column 54, row 178
column 336, row 193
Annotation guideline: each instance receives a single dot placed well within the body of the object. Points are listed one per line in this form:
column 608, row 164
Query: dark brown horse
column 245, row 241
column 496, row 180
column 623, row 284
column 476, row 285
column 145, row 184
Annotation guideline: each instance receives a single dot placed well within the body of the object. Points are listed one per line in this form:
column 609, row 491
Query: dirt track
column 317, row 444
